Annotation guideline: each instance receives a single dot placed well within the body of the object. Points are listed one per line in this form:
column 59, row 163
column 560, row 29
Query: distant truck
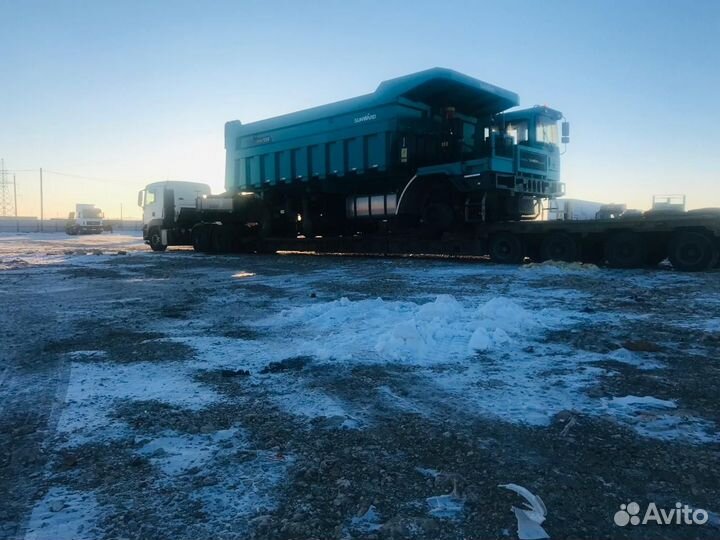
column 572, row 209
column 434, row 162
column 86, row 219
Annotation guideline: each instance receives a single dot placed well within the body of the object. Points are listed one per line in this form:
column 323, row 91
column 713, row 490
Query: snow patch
column 93, row 390
column 368, row 522
column 640, row 361
column 659, row 419
column 445, row 506
column 64, row 514
column 176, row 453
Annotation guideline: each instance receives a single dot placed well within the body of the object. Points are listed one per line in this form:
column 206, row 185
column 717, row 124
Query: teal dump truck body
column 359, row 135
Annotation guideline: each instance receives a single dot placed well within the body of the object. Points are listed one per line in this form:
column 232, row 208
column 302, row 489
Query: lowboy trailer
column 429, row 163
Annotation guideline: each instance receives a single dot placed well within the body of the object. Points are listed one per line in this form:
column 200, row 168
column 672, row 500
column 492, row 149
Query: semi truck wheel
column 559, row 246
column 692, row 251
column 201, row 238
column 155, row 239
column 625, row 250
column 506, row 248
column 221, row 239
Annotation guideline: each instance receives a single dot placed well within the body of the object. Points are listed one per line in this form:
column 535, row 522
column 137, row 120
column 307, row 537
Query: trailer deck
column 691, row 240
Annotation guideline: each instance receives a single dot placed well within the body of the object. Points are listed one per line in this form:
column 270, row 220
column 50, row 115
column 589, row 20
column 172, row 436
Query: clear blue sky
column 135, row 91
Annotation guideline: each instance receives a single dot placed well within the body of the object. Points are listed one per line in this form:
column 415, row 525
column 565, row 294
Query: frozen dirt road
column 178, row 396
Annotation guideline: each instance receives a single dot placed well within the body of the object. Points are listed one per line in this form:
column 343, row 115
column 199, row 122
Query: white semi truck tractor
column 169, row 210
column 86, row 219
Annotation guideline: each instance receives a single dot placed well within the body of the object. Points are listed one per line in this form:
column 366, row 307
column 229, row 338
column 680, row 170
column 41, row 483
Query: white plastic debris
column 531, row 517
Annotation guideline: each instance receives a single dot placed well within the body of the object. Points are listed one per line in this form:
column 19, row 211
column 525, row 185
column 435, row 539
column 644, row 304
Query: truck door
column 168, row 207
column 152, row 205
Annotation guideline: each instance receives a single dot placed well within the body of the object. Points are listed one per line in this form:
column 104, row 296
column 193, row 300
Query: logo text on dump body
column 364, row 118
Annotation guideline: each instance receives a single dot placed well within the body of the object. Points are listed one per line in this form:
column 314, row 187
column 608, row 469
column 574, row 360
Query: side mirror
column 565, row 132
column 71, row 215
column 140, row 197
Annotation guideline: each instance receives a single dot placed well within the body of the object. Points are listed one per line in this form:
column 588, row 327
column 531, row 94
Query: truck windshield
column 546, row 130
column 92, row 212
column 518, row 130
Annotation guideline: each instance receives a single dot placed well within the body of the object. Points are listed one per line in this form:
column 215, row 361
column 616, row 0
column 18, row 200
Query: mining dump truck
column 435, row 162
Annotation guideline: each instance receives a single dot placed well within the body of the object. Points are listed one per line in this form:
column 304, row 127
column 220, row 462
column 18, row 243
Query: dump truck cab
column 505, row 165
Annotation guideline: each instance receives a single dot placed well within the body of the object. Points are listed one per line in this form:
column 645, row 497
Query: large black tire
column 692, row 251
column 625, row 250
column 221, row 239
column 155, row 240
column 593, row 252
column 506, row 248
column 439, row 217
column 655, row 255
column 201, row 238
column 559, row 246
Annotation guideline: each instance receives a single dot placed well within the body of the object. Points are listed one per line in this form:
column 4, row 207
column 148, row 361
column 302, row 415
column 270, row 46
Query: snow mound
column 436, row 331
column 560, row 266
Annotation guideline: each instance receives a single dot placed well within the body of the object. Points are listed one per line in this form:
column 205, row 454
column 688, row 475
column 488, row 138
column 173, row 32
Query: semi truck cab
column 166, row 207
column 86, row 219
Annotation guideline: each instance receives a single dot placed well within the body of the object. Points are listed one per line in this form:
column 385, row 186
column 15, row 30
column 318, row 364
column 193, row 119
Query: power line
column 81, row 177
column 70, row 175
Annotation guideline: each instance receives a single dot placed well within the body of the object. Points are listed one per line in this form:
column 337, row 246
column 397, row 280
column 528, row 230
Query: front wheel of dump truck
column 625, row 250
column 506, row 248
column 692, row 251
column 155, row 240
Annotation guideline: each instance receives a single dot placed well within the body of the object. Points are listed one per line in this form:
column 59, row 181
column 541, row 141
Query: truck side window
column 149, row 197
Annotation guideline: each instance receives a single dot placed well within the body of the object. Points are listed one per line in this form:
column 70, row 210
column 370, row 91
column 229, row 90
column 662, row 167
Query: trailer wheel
column 593, row 252
column 692, row 251
column 506, row 248
column 559, row 246
column 155, row 240
column 625, row 250
column 655, row 255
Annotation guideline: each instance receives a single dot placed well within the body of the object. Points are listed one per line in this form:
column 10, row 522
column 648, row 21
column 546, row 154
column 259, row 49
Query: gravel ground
column 176, row 395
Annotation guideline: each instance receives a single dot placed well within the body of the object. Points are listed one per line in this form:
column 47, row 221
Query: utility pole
column 42, row 213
